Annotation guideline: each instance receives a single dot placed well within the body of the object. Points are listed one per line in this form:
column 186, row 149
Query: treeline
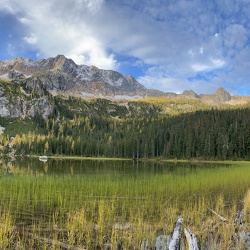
column 212, row 134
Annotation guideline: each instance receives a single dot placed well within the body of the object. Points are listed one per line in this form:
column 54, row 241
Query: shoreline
column 66, row 157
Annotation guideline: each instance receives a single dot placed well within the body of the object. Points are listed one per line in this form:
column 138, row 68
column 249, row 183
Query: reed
column 102, row 207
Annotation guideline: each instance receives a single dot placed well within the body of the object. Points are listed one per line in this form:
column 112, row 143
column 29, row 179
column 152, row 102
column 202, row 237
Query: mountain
column 61, row 75
column 220, row 96
column 29, row 87
column 190, row 93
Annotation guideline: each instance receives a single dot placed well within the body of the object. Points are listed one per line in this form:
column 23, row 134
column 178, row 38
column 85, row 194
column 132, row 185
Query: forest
column 102, row 129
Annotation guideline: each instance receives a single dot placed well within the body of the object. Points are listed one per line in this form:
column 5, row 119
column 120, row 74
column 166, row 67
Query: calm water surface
column 124, row 176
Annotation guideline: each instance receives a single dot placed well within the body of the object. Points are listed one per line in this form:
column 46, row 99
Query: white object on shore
column 43, row 158
column 1, row 129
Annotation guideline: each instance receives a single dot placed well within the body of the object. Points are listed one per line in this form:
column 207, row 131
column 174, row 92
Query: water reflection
column 103, row 167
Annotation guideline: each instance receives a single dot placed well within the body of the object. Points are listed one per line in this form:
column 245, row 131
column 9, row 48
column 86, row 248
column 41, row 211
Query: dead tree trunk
column 176, row 238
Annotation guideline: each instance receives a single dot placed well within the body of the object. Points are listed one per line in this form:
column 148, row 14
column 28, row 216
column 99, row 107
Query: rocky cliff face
column 17, row 102
column 62, row 75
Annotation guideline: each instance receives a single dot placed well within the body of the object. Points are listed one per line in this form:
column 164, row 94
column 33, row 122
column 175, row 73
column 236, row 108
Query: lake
column 100, row 204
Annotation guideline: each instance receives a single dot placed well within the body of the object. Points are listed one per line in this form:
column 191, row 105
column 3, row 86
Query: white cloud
column 217, row 63
column 200, row 67
column 176, row 39
column 5, row 6
column 31, row 40
column 64, row 27
column 92, row 5
column 212, row 64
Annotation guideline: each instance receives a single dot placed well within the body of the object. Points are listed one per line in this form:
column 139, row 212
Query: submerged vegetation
column 119, row 205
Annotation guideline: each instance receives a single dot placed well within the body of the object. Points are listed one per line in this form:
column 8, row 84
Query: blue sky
column 170, row 45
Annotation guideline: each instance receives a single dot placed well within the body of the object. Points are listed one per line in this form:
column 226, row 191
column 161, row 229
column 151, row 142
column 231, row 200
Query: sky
column 169, row 45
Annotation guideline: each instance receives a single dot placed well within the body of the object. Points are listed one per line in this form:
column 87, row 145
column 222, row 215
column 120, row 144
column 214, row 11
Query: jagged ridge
column 60, row 74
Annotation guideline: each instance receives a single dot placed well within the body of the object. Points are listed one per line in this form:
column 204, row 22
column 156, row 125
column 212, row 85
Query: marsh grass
column 97, row 207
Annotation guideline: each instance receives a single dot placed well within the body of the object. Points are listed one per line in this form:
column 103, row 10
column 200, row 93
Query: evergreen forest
column 102, row 128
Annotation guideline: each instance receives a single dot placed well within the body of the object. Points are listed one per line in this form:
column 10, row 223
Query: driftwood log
column 191, row 239
column 176, row 238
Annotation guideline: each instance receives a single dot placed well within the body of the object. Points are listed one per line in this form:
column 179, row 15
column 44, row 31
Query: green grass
column 90, row 202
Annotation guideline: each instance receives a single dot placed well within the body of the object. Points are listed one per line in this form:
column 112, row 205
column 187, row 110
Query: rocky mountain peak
column 222, row 95
column 63, row 63
column 190, row 93
column 60, row 58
